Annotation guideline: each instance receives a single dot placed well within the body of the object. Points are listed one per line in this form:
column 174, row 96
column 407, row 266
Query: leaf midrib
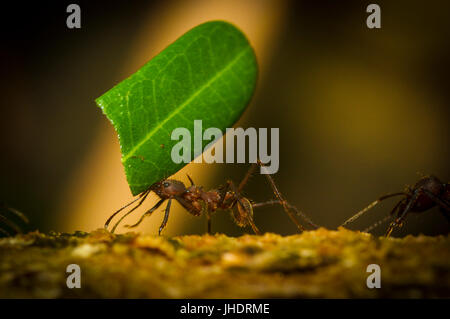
column 182, row 106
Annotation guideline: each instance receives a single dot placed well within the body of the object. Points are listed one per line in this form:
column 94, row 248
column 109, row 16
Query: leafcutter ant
column 195, row 200
column 7, row 226
column 427, row 193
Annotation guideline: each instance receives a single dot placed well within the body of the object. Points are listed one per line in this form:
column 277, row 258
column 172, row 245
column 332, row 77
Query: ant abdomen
column 243, row 213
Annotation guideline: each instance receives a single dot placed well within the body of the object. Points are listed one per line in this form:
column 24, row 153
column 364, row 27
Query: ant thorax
column 196, row 195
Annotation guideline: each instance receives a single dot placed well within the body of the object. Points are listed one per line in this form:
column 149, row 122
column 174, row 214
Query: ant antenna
column 391, row 214
column 376, row 224
column 142, row 197
column 190, row 180
column 372, row 205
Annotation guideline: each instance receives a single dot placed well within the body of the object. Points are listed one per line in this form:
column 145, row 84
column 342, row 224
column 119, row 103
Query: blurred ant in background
column 427, row 193
column 7, row 226
column 195, row 200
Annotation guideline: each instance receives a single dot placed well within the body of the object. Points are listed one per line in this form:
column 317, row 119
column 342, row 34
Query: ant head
column 168, row 188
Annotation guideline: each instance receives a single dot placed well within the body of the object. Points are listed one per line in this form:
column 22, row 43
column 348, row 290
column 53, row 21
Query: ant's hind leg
column 252, row 224
column 283, row 202
column 437, row 200
column 166, row 217
column 444, row 206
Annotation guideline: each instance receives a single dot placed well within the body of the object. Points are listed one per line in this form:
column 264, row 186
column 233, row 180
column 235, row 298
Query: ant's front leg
column 147, row 213
column 401, row 216
column 166, row 217
column 400, row 205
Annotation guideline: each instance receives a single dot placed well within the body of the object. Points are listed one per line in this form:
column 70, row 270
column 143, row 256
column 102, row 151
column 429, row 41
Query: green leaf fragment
column 207, row 74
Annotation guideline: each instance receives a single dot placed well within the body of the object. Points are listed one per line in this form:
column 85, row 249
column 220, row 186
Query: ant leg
column 16, row 212
column 445, row 207
column 392, row 213
column 247, row 176
column 10, row 224
column 281, row 199
column 274, row 202
column 437, row 200
column 208, row 222
column 396, row 222
column 166, row 217
column 223, row 193
column 371, row 205
column 252, row 224
column 147, row 213
column 143, row 194
column 129, row 212
column 190, row 180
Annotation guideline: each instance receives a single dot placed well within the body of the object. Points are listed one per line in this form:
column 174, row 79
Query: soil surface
column 314, row 264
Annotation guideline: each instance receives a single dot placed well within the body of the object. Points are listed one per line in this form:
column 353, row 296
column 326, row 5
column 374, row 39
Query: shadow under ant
column 427, row 193
column 196, row 200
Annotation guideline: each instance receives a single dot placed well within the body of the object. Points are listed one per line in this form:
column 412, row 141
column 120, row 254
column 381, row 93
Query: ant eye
column 166, row 184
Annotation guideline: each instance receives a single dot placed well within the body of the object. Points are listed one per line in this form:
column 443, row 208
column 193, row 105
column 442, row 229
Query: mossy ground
column 319, row 263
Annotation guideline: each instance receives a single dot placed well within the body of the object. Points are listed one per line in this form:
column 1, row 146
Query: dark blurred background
column 361, row 112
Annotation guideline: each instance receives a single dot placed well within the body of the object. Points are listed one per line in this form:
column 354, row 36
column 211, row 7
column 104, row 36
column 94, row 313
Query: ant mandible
column 427, row 193
column 195, row 200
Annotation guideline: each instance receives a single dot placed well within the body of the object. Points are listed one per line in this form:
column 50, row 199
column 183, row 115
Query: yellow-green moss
column 318, row 263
